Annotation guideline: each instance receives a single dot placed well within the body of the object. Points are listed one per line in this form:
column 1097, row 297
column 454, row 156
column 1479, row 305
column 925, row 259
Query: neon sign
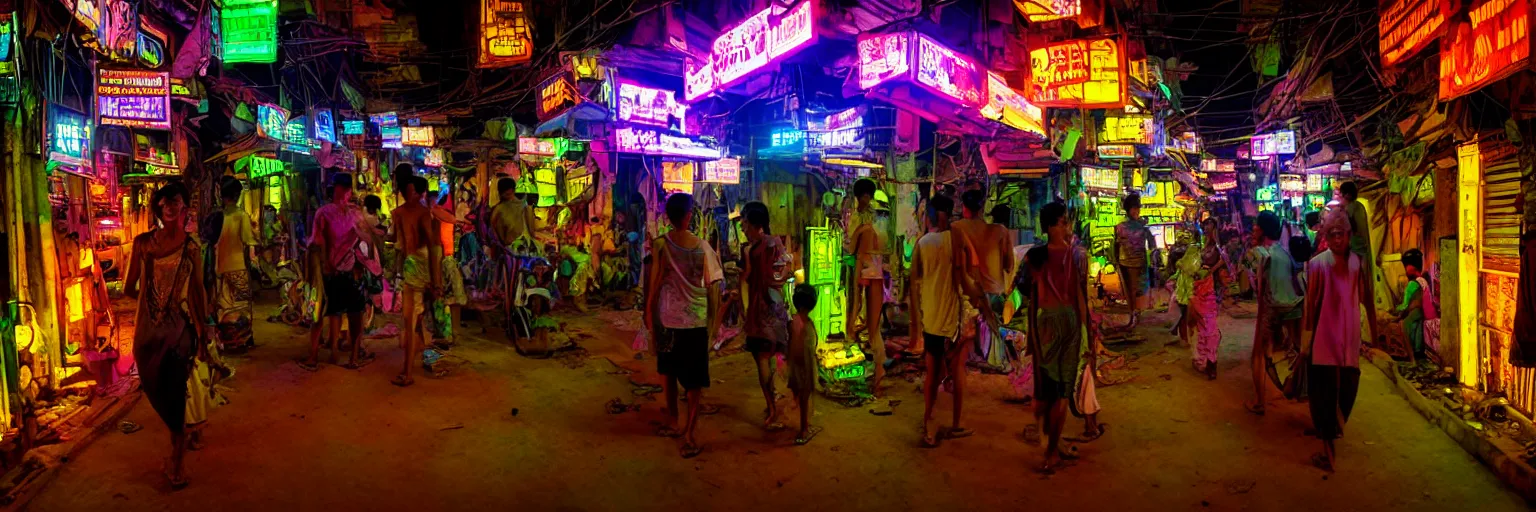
column 758, row 41
column 1048, row 10
column 650, row 106
column 325, row 125
column 1101, row 178
column 1267, row 193
column 351, row 127
column 1271, row 144
column 883, row 57
column 724, row 170
column 536, row 147
column 786, row 137
column 271, row 122
column 1117, row 151
column 1218, row 165
column 260, row 167
column 556, row 95
column 133, row 98
column 433, row 158
column 1008, row 107
column 1494, row 45
column 506, row 38
column 1223, row 182
column 949, row 73
column 1407, row 26
column 389, row 130
column 69, row 136
column 677, row 177
column 1078, row 73
column 118, row 33
column 840, row 130
column 653, row 142
column 249, row 32
column 1292, row 183
column 421, row 136
column 1129, row 128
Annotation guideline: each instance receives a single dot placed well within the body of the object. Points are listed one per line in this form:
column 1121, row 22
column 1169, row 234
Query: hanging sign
column 725, row 170
column 296, row 134
column 69, row 136
column 758, row 41
column 649, row 106
column 434, row 157
column 1037, row 11
column 133, row 98
column 420, row 136
column 1270, row 144
column 506, row 38
column 389, row 130
column 1267, row 193
column 325, row 125
column 271, row 122
column 557, row 94
column 949, row 73
column 1218, row 165
column 677, row 177
column 118, row 33
column 839, row 130
column 1127, row 129
column 256, row 167
column 1496, row 43
column 536, row 147
column 1223, row 182
column 1292, row 183
column 249, row 32
column 1009, row 107
column 1187, row 142
column 1117, row 151
column 1101, row 178
column 883, row 57
column 653, row 142
column 350, row 127
column 1078, row 73
column 1407, row 26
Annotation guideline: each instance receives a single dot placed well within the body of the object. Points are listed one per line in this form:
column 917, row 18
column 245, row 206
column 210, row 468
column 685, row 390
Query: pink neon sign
column 653, row 142
column 648, row 105
column 949, row 73
column 883, row 57
column 749, row 46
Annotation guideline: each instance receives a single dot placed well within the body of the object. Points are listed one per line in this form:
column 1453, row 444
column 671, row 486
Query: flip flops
column 1089, row 436
column 307, row 366
column 808, row 436
column 402, row 381
column 958, row 432
column 364, row 357
column 690, row 450
column 1254, row 408
column 1320, row 460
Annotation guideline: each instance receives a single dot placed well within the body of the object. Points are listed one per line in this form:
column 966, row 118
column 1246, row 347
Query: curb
column 1511, row 469
column 20, row 487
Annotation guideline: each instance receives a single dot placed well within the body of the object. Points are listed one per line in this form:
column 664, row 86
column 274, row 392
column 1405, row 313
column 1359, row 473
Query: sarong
column 234, row 308
column 1060, row 352
column 1203, row 311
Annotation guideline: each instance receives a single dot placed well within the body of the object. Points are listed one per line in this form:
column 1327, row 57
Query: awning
column 576, row 123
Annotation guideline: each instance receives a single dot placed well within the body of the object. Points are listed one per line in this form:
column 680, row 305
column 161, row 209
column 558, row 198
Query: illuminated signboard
column 505, row 35
column 650, row 106
column 87, row 12
column 1292, row 183
column 249, row 32
column 883, row 57
column 69, row 136
column 1101, row 178
column 786, row 137
column 677, row 177
column 536, row 147
column 1407, row 26
column 271, row 122
column 1223, row 182
column 557, row 94
column 840, row 130
column 133, row 98
column 433, row 158
column 1078, row 73
column 724, row 170
column 118, row 34
column 1218, row 165
column 1117, row 151
column 296, row 134
column 152, row 46
column 1267, row 193
column 949, row 73
column 751, row 45
column 576, row 186
column 1009, row 107
column 256, row 167
column 1319, row 183
column 1271, row 144
column 389, row 129
column 7, row 28
column 1127, row 129
column 1496, row 43
column 325, row 125
column 421, row 136
column 1048, row 10
column 351, row 127
column 1187, row 142
column 653, row 142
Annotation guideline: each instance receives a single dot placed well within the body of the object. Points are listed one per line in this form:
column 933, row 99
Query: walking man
column 338, row 230
column 419, row 264
column 1278, row 297
column 683, row 315
column 934, row 289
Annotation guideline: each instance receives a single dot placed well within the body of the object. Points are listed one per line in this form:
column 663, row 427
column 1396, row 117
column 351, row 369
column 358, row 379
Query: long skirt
column 234, row 308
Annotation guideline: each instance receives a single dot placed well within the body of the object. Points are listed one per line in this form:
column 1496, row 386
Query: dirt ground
column 348, row 440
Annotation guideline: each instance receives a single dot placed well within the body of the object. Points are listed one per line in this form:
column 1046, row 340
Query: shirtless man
column 420, row 264
column 868, row 246
column 987, row 256
column 512, row 221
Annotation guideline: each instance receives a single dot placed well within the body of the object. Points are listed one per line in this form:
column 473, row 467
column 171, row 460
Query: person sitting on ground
column 682, row 314
column 1336, row 292
column 935, row 285
column 767, row 322
column 802, row 359
column 1057, row 312
column 1412, row 311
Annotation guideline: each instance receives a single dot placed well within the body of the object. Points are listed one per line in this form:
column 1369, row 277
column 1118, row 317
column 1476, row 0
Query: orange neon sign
column 1407, row 26
column 1495, row 44
column 1078, row 73
column 1048, row 10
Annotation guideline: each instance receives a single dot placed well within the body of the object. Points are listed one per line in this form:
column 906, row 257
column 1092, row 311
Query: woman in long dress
column 171, row 318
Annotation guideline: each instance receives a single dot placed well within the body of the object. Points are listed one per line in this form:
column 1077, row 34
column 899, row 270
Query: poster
column 505, row 35
column 133, row 98
column 1495, row 44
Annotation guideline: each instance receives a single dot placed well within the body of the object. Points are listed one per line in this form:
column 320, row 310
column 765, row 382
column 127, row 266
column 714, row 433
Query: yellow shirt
column 233, row 241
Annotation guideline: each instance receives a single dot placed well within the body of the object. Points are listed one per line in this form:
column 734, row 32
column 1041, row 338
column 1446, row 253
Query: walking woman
column 1336, row 289
column 171, row 321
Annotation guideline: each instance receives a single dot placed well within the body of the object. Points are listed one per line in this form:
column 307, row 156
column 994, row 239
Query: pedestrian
column 1129, row 253
column 233, row 243
column 338, row 234
column 682, row 314
column 1278, row 296
column 1336, row 291
column 1360, row 236
column 866, row 243
column 169, row 330
column 1186, row 263
column 934, row 287
column 452, row 286
column 767, row 318
column 802, row 359
column 988, row 252
column 1058, row 309
column 1417, row 303
column 1205, row 301
column 419, row 267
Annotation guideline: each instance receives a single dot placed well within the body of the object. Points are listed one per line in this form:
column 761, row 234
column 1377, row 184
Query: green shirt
column 1282, row 291
column 1360, row 228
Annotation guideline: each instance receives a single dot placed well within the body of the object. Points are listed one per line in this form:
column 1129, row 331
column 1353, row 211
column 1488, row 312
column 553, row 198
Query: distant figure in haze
column 1336, row 289
column 683, row 315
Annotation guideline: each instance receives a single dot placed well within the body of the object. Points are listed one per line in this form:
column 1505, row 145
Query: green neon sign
column 250, row 32
column 260, row 166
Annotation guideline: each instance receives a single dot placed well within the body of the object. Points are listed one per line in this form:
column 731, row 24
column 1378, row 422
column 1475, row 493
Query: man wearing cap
column 1129, row 253
column 337, row 234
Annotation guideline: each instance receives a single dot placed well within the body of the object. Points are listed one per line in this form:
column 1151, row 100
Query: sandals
column 929, row 440
column 1254, row 408
column 308, row 366
column 807, row 436
column 1089, row 436
column 690, row 450
column 958, row 432
column 363, row 358
column 1320, row 460
column 402, row 381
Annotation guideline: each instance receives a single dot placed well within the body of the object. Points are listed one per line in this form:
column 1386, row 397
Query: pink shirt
column 344, row 223
column 1336, row 339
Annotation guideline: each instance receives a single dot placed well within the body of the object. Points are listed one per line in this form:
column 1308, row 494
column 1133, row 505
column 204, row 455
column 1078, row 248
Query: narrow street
column 348, row 440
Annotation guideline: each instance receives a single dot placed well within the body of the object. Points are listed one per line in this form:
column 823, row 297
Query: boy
column 1058, row 309
column 420, row 265
column 683, row 315
column 1412, row 311
column 935, row 304
column 802, row 359
column 1131, row 250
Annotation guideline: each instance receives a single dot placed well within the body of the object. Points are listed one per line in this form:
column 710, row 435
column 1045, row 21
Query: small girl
column 802, row 359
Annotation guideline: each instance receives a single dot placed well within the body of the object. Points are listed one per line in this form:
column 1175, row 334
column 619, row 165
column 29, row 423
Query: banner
column 1495, row 44
column 760, row 40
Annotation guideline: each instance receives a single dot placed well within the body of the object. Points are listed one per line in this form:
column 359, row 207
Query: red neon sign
column 1494, row 45
column 1407, row 26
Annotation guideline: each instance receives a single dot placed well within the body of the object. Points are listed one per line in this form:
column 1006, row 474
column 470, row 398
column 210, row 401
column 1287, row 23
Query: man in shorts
column 419, row 263
column 934, row 288
column 338, row 229
column 1132, row 246
column 988, row 250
